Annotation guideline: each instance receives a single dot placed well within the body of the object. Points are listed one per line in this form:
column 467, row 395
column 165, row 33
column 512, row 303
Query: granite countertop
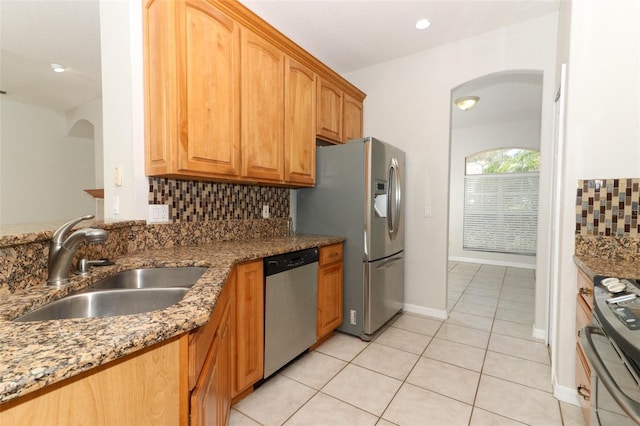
column 37, row 354
column 620, row 268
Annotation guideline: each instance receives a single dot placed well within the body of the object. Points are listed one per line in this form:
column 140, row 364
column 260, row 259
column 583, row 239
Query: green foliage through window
column 509, row 160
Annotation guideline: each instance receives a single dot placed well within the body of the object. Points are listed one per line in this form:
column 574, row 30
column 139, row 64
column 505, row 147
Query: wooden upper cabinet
column 161, row 121
column 208, row 73
column 300, row 124
column 262, row 108
column 192, row 90
column 329, row 112
column 352, row 118
column 339, row 114
column 229, row 98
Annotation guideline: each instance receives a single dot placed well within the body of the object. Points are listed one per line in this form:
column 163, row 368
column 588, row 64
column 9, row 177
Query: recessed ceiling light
column 57, row 67
column 423, row 23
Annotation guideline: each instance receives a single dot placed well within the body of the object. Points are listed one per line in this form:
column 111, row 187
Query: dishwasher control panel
column 286, row 261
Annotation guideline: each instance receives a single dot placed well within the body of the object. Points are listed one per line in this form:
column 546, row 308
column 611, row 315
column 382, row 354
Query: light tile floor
column 479, row 367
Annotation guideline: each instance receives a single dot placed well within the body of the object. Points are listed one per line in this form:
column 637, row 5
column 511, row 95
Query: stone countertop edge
column 607, row 267
column 37, row 354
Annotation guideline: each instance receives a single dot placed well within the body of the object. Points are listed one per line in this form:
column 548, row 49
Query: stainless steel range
column 612, row 346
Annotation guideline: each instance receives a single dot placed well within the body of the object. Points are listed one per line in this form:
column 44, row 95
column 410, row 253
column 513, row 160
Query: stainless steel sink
column 151, row 278
column 128, row 292
column 107, row 303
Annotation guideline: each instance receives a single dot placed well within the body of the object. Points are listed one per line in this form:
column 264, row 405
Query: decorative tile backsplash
column 608, row 207
column 191, row 201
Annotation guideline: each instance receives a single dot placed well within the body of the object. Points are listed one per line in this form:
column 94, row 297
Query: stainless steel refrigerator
column 358, row 194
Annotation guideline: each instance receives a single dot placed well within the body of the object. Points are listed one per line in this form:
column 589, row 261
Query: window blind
column 501, row 212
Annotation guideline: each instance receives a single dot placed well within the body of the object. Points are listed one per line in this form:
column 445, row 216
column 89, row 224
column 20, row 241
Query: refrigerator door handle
column 394, row 198
column 388, row 263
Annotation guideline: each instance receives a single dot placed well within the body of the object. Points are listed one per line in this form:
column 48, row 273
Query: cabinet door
column 329, row 298
column 208, row 77
column 583, row 382
column 248, row 327
column 262, row 108
column 352, row 124
column 211, row 398
column 300, row 114
column 160, row 96
column 329, row 113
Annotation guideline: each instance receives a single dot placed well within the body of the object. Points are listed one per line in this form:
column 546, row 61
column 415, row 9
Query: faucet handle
column 85, row 264
column 61, row 232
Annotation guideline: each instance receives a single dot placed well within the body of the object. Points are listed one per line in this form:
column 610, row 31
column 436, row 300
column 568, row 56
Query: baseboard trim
column 492, row 262
column 539, row 333
column 566, row 394
column 428, row 312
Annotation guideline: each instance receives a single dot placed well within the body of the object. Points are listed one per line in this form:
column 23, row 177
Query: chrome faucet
column 63, row 247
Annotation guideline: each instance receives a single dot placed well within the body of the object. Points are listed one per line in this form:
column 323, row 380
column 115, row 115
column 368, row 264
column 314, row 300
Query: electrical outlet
column 265, row 211
column 116, row 204
column 158, row 213
column 352, row 317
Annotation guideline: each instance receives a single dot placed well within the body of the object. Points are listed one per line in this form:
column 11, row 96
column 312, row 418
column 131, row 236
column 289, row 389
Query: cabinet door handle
column 584, row 392
column 585, row 291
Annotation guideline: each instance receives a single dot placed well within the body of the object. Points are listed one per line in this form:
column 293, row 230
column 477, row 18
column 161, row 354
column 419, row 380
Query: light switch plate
column 117, row 176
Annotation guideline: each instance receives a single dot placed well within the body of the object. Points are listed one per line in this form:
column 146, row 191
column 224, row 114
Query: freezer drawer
column 383, row 291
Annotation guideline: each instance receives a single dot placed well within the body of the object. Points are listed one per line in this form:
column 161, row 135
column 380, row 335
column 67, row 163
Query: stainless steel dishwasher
column 290, row 306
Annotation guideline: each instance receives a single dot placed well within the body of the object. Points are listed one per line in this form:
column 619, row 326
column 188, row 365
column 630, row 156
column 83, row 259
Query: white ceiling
column 346, row 35
column 35, row 33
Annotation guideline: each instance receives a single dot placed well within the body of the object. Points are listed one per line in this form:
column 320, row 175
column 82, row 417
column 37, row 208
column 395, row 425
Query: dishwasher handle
column 630, row 406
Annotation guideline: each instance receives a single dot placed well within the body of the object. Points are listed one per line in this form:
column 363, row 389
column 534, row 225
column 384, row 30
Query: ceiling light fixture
column 466, row 102
column 58, row 67
column 423, row 23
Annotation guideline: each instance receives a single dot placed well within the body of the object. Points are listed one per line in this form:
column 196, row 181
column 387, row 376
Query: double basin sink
column 129, row 292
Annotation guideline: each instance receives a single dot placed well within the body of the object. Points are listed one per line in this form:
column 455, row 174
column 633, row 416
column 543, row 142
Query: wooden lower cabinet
column 211, row 398
column 584, row 308
column 142, row 388
column 330, row 275
column 248, row 327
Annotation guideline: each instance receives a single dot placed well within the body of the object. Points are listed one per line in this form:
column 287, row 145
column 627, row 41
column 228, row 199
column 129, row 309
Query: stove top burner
column 623, row 298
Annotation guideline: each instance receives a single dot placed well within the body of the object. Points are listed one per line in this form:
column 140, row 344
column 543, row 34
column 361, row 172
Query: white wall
column 43, row 172
column 122, row 92
column 470, row 140
column 602, row 136
column 408, row 105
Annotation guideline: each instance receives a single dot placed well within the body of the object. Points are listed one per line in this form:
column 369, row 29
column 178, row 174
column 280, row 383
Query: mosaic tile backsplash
column 192, row 201
column 608, row 207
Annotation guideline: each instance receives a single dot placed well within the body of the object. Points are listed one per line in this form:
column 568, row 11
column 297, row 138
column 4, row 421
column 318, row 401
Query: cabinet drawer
column 330, row 254
column 200, row 340
column 585, row 288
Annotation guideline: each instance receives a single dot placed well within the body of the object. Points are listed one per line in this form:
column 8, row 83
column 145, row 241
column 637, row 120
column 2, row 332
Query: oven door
column 615, row 393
